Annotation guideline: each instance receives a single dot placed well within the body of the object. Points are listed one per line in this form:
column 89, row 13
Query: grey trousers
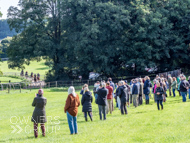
column 135, row 100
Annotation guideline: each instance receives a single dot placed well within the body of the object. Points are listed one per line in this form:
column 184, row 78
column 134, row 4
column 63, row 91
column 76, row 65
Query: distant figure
column 26, row 74
column 31, row 75
column 35, row 78
column 71, row 108
column 135, row 94
column 38, row 76
column 170, row 80
column 146, row 89
column 22, row 73
column 39, row 114
column 86, row 102
column 159, row 98
column 174, row 85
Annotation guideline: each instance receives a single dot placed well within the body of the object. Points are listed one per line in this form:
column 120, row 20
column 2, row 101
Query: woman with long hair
column 86, row 102
column 71, row 108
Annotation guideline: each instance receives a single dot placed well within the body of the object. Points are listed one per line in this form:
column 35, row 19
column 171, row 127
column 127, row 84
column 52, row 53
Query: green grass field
column 6, row 79
column 143, row 124
column 35, row 67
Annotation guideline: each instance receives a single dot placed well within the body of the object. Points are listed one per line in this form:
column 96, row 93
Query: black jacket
column 161, row 91
column 86, row 101
column 146, row 87
column 122, row 93
column 102, row 96
column 183, row 85
column 135, row 89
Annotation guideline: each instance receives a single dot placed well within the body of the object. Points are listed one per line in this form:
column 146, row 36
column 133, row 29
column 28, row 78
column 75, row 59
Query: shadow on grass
column 13, row 139
column 44, row 68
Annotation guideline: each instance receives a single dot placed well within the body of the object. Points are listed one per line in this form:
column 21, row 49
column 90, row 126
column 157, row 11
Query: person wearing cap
column 71, row 108
column 39, row 114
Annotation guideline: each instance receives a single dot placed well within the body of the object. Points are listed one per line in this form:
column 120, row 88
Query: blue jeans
column 102, row 109
column 184, row 94
column 189, row 93
column 72, row 121
column 159, row 101
column 147, row 97
column 174, row 92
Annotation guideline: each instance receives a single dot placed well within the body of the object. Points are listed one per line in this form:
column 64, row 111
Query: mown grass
column 143, row 124
column 35, row 67
column 6, row 79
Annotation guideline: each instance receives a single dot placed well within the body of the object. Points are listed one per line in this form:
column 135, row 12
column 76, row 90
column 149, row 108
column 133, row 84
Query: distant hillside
column 4, row 30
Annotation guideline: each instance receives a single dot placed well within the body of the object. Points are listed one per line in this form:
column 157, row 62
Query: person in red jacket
column 109, row 97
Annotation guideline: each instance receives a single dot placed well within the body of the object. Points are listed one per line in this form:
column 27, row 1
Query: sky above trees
column 4, row 6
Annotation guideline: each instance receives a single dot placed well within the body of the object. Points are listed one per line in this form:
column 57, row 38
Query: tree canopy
column 78, row 37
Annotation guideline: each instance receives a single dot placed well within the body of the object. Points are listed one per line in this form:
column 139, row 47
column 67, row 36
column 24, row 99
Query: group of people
column 32, row 75
column 104, row 93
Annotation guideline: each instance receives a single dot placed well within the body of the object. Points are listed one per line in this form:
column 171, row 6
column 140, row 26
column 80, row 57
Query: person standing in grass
column 147, row 89
column 39, row 114
column 178, row 84
column 174, row 85
column 159, row 98
column 189, row 84
column 102, row 99
column 170, row 80
column 71, row 108
column 109, row 98
column 117, row 96
column 86, row 102
column 184, row 86
column 135, row 94
column 123, row 94
column 141, row 92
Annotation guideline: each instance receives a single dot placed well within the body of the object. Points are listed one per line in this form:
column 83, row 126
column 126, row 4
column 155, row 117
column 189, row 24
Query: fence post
column 20, row 88
column 1, row 87
column 56, row 83
column 49, row 84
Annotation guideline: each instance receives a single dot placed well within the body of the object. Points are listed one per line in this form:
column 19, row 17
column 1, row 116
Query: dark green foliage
column 108, row 37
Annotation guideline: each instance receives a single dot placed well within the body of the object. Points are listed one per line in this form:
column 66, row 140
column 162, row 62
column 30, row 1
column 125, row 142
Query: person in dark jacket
column 159, row 98
column 122, row 93
column 140, row 101
column 184, row 86
column 86, row 101
column 147, row 89
column 102, row 100
column 135, row 94
column 189, row 84
column 39, row 114
column 117, row 96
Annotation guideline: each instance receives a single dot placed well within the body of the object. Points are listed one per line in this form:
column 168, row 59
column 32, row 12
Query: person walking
column 159, row 98
column 109, row 98
column 174, row 85
column 123, row 97
column 170, row 80
column 101, row 100
column 147, row 89
column 71, row 108
column 184, row 86
column 135, row 93
column 39, row 114
column 86, row 102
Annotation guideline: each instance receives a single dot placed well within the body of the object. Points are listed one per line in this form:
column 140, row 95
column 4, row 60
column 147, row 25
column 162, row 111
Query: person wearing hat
column 39, row 114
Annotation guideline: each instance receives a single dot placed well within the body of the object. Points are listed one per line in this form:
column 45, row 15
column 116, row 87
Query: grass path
column 143, row 124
